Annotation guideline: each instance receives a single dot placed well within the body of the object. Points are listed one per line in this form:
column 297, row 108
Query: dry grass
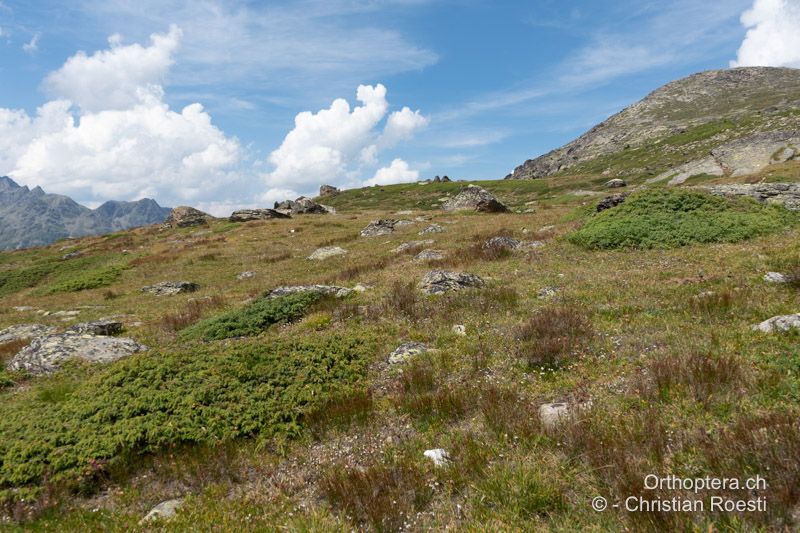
column 424, row 397
column 269, row 259
column 341, row 411
column 10, row 349
column 359, row 269
column 193, row 311
column 508, row 415
column 551, row 337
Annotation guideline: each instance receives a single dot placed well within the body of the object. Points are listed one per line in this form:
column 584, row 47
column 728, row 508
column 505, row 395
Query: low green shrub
column 668, row 218
column 70, row 427
column 89, row 279
column 253, row 318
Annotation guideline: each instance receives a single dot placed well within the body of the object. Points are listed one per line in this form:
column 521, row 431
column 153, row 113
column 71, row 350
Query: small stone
column 170, row 288
column 776, row 277
column 412, row 244
column 547, row 292
column 459, row 329
column 163, row 511
column 73, row 255
column 552, row 413
column 22, row 308
column 406, row 351
column 779, row 323
column 324, row 253
column 439, row 456
column 247, row 274
column 433, row 228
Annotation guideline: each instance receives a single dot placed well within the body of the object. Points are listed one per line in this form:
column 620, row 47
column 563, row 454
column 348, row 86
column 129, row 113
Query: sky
column 239, row 103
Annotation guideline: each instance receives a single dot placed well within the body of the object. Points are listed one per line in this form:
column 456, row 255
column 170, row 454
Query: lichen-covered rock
column 507, row 243
column 779, row 323
column 429, row 255
column 441, row 281
column 169, row 288
column 24, row 331
column 98, row 327
column 433, row 228
column 475, row 198
column 615, row 183
column 406, row 351
column 324, row 290
column 162, row 511
column 45, row 355
column 380, row 227
column 247, row 215
column 247, row 274
column 777, row 277
column 184, row 216
column 785, row 194
column 301, row 206
column 611, row 201
column 325, row 252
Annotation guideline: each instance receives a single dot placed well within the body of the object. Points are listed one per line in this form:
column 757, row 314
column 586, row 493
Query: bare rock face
column 169, row 288
column 185, row 216
column 441, row 281
column 377, row 228
column 785, row 194
column 328, row 190
column 323, row 290
column 246, row 215
column 611, row 201
column 45, row 355
column 301, row 206
column 24, row 331
column 475, row 198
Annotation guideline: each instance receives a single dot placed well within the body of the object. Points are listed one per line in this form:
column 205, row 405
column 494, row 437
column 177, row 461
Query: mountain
column 31, row 217
column 679, row 123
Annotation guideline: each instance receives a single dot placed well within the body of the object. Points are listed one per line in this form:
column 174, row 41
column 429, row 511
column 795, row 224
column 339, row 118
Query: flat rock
column 412, row 244
column 98, row 327
column 247, row 274
column 169, row 288
column 325, row 290
column 45, row 355
column 324, row 253
column 247, row 215
column 779, row 323
column 24, row 331
column 441, row 281
column 433, row 228
column 184, row 216
column 406, row 351
column 551, row 414
column 501, row 242
column 429, row 255
column 163, row 511
column 380, row 227
column 475, row 198
column 785, row 194
column 776, row 277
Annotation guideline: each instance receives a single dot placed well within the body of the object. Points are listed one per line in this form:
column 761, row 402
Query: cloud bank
column 773, row 35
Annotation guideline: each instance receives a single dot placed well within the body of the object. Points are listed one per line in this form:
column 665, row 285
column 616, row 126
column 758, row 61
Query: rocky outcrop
column 184, row 216
column 325, row 252
column 46, row 354
column 170, row 288
column 785, row 194
column 611, row 201
column 475, row 198
column 322, row 290
column 247, row 215
column 24, row 331
column 441, row 281
column 328, row 190
column 691, row 101
column 301, row 206
column 380, row 227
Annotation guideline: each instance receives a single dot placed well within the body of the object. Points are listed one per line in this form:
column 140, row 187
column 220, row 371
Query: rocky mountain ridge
column 32, row 217
column 713, row 107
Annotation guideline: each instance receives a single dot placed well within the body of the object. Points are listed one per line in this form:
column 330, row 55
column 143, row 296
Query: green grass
column 253, row 318
column 671, row 218
column 53, row 275
column 89, row 279
column 69, row 427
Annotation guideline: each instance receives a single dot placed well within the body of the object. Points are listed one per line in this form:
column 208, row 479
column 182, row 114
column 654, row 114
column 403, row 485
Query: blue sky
column 99, row 99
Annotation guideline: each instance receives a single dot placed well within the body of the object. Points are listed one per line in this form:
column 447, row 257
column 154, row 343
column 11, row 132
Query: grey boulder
column 24, row 331
column 475, row 198
column 323, row 290
column 380, row 227
column 441, row 281
column 247, row 215
column 779, row 323
column 170, row 288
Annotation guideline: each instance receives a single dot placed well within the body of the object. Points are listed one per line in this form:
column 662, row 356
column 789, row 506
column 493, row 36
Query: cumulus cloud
column 117, row 78
column 773, row 35
column 123, row 141
column 335, row 145
column 397, row 172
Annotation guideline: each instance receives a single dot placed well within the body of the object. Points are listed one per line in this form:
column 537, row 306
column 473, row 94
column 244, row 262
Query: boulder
column 433, row 228
column 615, row 183
column 169, row 288
column 429, row 255
column 325, row 252
column 441, row 281
column 301, row 206
column 45, row 355
column 475, row 198
column 406, row 351
column 377, row 228
column 508, row 243
column 246, row 215
column 779, row 323
column 184, row 216
column 777, row 277
column 611, row 201
column 98, row 327
column 247, row 274
column 24, row 331
column 445, row 179
column 328, row 190
column 162, row 511
column 324, row 290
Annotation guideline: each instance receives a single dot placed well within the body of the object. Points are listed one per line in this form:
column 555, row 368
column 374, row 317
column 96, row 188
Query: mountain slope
column 680, row 121
column 31, row 217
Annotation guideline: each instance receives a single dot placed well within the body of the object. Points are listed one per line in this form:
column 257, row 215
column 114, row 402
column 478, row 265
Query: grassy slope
column 679, row 383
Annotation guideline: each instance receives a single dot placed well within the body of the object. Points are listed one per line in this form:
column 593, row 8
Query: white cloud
column 118, row 78
column 397, row 172
column 773, row 35
column 32, row 45
column 335, row 144
column 125, row 142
